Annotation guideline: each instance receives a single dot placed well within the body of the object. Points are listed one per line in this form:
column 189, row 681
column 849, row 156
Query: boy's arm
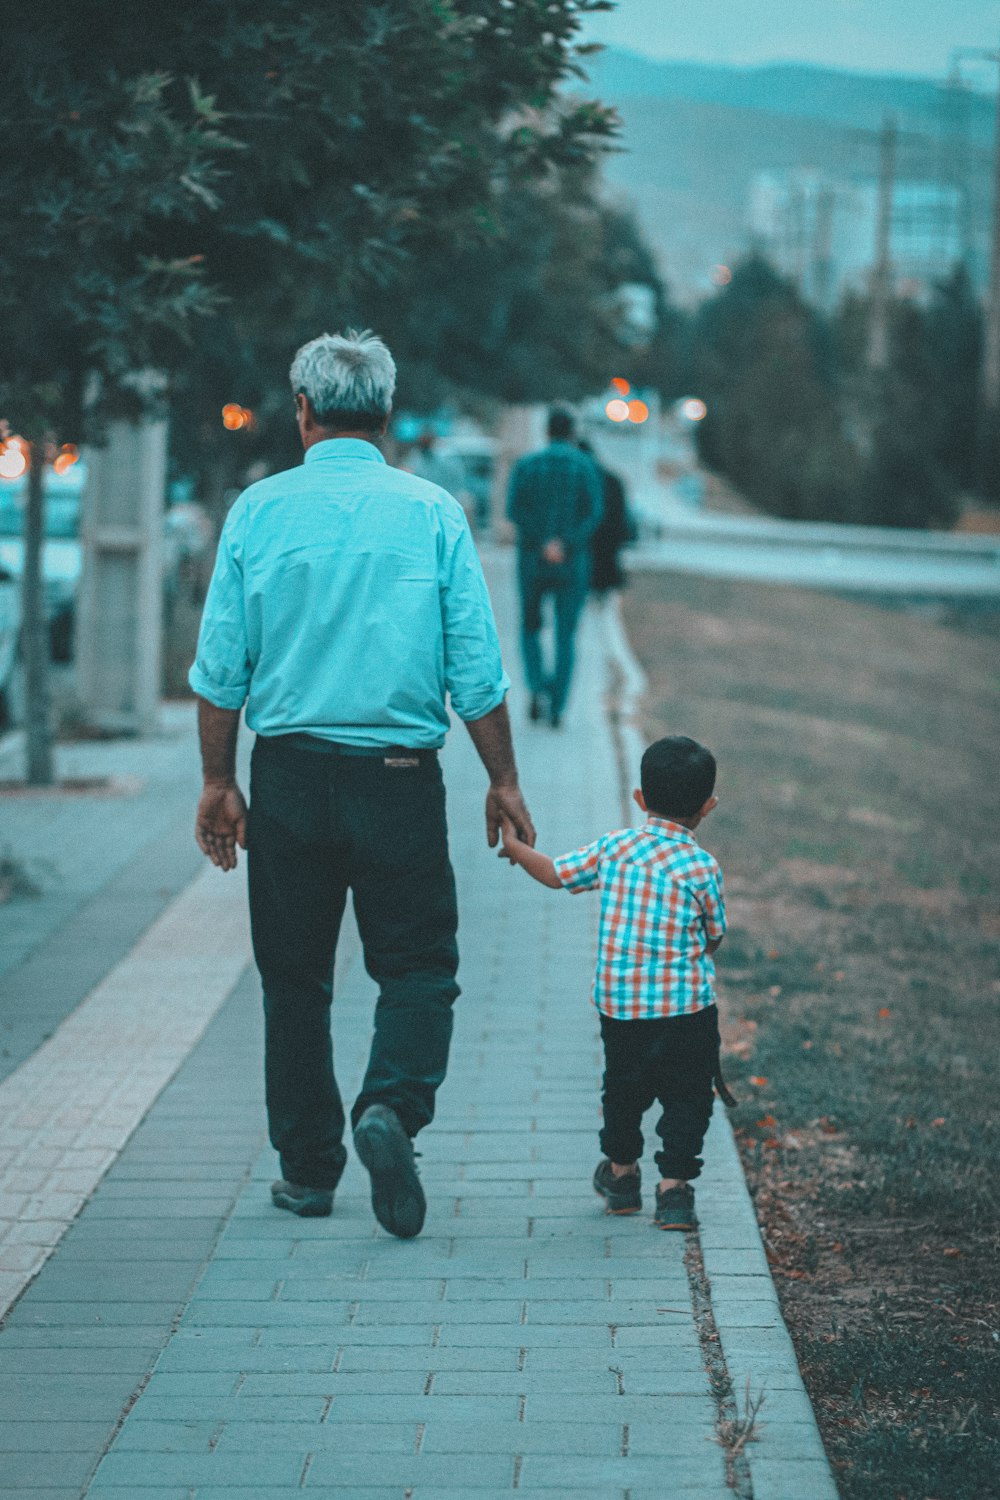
column 538, row 865
column 713, row 944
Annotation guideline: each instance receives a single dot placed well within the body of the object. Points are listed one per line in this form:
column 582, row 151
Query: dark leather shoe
column 386, row 1151
column 307, row 1202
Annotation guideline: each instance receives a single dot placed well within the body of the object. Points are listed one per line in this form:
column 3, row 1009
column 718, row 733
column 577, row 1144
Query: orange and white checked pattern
column 661, row 904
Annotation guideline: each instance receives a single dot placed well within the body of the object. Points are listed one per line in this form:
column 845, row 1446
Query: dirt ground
column 860, row 986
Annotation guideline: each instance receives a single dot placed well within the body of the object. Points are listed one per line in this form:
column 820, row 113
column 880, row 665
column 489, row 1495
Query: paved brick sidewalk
column 525, row 1341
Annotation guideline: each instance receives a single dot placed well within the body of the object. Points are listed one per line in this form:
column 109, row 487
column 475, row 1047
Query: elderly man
column 347, row 601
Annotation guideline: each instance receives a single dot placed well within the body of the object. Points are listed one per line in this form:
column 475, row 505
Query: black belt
column 318, row 746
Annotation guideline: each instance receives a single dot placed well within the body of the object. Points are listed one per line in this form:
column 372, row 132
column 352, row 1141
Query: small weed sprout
column 735, row 1432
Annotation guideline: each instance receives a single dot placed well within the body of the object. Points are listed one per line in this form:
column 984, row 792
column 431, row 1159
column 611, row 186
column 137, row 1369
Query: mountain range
column 696, row 135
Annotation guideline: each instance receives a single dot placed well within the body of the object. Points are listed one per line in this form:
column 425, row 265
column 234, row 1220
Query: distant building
column 821, row 231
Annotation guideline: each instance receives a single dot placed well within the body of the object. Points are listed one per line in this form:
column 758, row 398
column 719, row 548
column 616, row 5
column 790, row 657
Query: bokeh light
column 617, row 410
column 620, row 385
column 638, row 411
column 235, row 418
column 67, row 456
column 721, row 275
column 13, row 458
column 694, row 409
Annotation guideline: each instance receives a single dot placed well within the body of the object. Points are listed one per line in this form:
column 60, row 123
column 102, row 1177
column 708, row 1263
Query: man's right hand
column 554, row 551
column 505, row 801
column 221, row 823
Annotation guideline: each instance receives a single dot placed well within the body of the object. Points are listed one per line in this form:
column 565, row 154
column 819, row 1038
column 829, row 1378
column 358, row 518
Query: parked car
column 187, row 536
column 62, row 555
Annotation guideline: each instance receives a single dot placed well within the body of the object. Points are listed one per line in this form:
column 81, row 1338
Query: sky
column 884, row 36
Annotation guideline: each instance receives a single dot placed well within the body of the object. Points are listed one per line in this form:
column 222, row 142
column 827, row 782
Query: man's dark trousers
column 321, row 824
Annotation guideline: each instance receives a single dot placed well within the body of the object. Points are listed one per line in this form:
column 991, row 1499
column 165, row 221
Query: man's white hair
column 348, row 377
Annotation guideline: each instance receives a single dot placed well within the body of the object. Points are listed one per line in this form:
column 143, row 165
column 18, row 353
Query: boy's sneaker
column 307, row 1202
column 675, row 1208
column 621, row 1194
column 387, row 1151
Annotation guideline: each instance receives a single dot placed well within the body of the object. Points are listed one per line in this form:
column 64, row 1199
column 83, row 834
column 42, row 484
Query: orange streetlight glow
column 233, row 417
column 13, row 458
column 721, row 275
column 620, row 385
column 638, row 411
column 67, row 456
column 617, row 410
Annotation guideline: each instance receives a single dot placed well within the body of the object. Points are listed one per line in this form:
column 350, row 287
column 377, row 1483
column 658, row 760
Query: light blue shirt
column 347, row 600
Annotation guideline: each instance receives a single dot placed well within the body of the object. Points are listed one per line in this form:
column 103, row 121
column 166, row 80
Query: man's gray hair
column 348, row 377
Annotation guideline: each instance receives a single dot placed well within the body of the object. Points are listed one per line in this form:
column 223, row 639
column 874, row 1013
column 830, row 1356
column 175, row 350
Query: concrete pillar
column 120, row 605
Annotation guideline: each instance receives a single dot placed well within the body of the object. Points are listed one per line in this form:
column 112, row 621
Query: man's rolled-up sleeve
column 473, row 666
column 222, row 667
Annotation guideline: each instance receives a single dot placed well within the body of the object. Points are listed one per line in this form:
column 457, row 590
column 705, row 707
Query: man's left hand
column 505, row 801
column 221, row 823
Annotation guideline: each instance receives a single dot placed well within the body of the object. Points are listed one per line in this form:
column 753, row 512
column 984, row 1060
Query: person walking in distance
column 346, row 604
column 615, row 529
column 555, row 502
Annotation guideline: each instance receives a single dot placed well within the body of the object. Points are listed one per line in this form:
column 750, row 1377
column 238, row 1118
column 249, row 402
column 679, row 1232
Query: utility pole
column 822, row 248
column 991, row 342
column 989, row 404
column 878, row 331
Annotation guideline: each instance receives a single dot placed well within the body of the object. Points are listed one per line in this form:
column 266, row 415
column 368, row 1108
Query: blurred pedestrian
column 555, row 502
column 613, row 532
column 428, row 462
column 347, row 601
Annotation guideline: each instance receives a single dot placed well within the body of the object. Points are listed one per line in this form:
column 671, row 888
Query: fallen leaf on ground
column 759, row 1083
column 884, row 1013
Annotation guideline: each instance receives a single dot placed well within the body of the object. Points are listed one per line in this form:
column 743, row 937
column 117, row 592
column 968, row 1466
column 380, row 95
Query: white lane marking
column 68, row 1110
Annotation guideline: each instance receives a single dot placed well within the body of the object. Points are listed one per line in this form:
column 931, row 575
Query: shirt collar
column 343, row 448
column 671, row 830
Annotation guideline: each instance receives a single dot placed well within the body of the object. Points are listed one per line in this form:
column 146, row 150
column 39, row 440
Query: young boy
column 662, row 918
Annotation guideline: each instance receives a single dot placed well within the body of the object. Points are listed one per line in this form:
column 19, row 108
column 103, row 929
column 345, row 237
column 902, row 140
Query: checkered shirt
column 661, row 903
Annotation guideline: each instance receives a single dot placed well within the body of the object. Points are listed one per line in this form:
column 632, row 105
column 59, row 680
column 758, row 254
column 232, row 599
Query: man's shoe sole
column 315, row 1206
column 386, row 1152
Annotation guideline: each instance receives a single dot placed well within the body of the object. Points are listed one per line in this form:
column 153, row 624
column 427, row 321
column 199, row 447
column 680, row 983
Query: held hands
column 509, row 848
column 504, row 804
column 221, row 823
column 554, row 551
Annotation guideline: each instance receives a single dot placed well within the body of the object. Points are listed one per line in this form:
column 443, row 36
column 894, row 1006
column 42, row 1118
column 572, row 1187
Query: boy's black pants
column 672, row 1059
column 321, row 824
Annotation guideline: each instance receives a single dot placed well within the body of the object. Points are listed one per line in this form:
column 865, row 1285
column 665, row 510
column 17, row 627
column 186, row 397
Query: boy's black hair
column 678, row 776
column 561, row 426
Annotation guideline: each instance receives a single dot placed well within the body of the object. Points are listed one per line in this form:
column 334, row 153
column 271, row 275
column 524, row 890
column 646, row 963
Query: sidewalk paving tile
column 526, row 1340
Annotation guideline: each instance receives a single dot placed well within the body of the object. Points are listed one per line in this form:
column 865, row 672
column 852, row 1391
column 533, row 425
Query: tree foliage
column 155, row 160
column 806, row 429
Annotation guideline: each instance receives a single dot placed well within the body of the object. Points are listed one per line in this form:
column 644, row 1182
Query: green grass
column 860, row 987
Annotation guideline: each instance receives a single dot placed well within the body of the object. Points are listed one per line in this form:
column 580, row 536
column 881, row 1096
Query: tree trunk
column 34, row 628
